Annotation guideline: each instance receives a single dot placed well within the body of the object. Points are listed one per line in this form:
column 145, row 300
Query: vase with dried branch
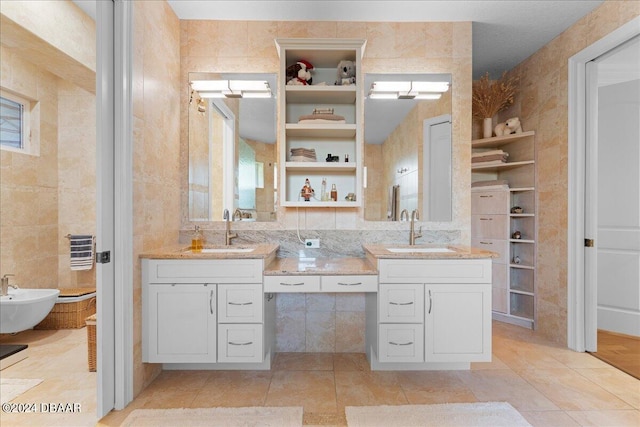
column 492, row 96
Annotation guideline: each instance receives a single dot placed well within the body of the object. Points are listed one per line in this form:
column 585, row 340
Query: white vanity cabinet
column 430, row 314
column 209, row 311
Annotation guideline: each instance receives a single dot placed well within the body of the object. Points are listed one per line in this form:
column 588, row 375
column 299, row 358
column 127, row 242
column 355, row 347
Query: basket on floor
column 91, row 342
column 72, row 307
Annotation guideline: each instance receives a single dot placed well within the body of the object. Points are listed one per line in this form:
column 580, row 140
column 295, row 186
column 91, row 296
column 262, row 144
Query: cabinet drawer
column 489, row 226
column 401, row 303
column 349, row 283
column 498, row 246
column 435, row 271
column 401, row 343
column 205, row 271
column 240, row 303
column 489, row 202
column 240, row 343
column 292, row 284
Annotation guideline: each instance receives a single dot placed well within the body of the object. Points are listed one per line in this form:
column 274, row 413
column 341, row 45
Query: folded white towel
column 81, row 251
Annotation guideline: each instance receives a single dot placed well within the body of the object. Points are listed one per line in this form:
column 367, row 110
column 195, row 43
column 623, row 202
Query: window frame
column 25, row 130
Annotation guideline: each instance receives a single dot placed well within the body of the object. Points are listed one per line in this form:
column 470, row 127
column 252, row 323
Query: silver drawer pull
column 406, row 343
column 240, row 343
column 486, row 243
column 486, row 219
column 401, row 303
column 240, row 303
column 349, row 284
column 291, row 284
column 485, row 196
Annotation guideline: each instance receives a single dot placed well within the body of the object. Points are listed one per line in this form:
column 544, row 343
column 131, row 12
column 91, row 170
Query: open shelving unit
column 514, row 292
column 337, row 139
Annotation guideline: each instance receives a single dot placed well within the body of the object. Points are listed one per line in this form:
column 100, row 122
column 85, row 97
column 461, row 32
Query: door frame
column 114, row 207
column 580, row 294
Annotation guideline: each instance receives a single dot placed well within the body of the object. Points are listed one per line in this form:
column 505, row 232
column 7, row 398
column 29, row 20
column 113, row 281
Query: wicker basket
column 91, row 342
column 70, row 315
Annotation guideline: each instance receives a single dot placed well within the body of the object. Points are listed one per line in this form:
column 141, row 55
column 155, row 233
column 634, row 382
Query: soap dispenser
column 197, row 241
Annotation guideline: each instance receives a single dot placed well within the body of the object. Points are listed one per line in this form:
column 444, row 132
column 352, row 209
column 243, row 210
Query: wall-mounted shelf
column 337, row 139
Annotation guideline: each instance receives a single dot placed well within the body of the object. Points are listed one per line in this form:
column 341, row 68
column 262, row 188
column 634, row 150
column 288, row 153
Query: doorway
column 613, row 206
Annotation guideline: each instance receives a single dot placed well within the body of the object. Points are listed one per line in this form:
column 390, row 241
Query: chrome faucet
column 412, row 234
column 228, row 235
column 237, row 215
column 5, row 284
column 404, row 215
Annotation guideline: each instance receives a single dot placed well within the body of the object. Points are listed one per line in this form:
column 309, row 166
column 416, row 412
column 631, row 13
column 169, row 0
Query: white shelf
column 321, row 94
column 522, row 267
column 521, row 189
column 522, row 241
column 325, row 130
column 522, row 215
column 503, row 166
column 316, row 204
column 515, row 291
column 498, row 141
column 321, row 166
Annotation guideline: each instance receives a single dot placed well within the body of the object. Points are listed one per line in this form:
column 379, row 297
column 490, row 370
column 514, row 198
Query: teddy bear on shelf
column 507, row 128
column 346, row 73
column 299, row 73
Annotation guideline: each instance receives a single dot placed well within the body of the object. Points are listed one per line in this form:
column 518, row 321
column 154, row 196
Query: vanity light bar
column 407, row 90
column 232, row 88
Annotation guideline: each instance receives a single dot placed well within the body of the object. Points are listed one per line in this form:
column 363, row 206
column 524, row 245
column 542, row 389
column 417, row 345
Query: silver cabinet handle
column 486, row 243
column 349, row 284
column 291, row 284
column 240, row 343
column 401, row 303
column 486, row 196
column 211, row 301
column 430, row 301
column 240, row 303
column 486, row 219
column 406, row 343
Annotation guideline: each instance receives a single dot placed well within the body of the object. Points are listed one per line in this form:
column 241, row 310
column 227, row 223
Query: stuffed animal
column 507, row 128
column 299, row 73
column 346, row 73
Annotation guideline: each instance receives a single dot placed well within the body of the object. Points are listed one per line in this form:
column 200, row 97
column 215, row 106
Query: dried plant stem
column 490, row 97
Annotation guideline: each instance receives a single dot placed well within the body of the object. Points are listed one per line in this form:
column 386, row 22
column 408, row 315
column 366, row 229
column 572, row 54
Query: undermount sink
column 226, row 250
column 419, row 250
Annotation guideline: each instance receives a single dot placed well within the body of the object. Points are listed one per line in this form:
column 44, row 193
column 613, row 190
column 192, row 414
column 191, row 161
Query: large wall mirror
column 408, row 148
column 232, row 146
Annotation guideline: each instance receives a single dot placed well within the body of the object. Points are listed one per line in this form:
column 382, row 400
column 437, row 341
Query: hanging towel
column 81, row 251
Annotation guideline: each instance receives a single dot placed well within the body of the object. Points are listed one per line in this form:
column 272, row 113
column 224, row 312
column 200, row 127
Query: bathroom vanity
column 426, row 307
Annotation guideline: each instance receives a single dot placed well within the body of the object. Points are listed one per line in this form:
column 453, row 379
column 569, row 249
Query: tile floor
column 549, row 385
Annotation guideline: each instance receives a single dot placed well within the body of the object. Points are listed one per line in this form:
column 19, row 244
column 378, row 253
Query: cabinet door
column 458, row 323
column 401, row 303
column 241, row 343
column 182, row 323
column 240, row 303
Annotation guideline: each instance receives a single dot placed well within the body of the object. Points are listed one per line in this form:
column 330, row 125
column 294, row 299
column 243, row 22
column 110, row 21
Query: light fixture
column 407, row 90
column 232, row 88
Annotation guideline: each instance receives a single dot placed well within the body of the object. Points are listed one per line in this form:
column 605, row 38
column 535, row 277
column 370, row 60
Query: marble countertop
column 311, row 266
column 260, row 251
column 456, row 252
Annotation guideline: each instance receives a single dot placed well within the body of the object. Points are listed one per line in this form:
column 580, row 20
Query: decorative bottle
column 197, row 241
column 323, row 193
column 334, row 193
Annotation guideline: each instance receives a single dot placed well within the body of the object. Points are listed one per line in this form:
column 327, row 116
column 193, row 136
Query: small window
column 15, row 132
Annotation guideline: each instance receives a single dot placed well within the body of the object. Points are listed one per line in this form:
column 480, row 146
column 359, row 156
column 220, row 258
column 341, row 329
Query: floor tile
column 549, row 419
column 303, row 362
column 313, row 390
column 571, row 391
column 359, row 388
column 350, row 362
column 430, row 387
column 233, row 389
column 624, row 418
column 616, row 382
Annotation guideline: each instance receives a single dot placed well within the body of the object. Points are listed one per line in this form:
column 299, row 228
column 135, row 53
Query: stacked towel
column 491, row 184
column 321, row 115
column 491, row 157
column 303, row 155
column 81, row 251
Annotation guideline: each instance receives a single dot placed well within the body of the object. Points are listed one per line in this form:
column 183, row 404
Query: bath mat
column 493, row 414
column 10, row 388
column 216, row 417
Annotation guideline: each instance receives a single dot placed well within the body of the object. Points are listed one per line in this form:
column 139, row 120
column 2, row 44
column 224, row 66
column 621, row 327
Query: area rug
column 491, row 414
column 10, row 388
column 216, row 417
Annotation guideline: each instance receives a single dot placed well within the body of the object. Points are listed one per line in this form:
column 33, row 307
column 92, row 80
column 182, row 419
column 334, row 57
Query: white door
column 612, row 266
